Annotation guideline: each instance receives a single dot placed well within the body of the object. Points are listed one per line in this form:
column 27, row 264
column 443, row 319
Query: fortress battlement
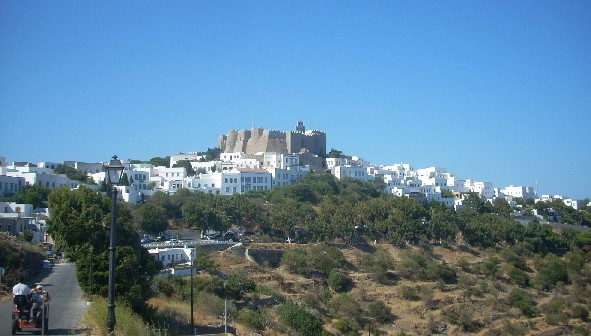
column 259, row 139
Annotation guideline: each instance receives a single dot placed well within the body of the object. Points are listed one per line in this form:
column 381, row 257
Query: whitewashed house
column 191, row 157
column 10, row 185
column 173, row 255
column 518, row 192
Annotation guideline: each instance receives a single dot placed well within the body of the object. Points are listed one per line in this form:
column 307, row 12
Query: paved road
column 66, row 306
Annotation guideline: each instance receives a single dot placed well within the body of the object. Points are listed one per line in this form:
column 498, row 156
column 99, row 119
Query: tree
column 300, row 319
column 404, row 224
column 160, row 161
column 210, row 155
column 241, row 210
column 30, row 194
column 81, row 218
column 204, row 212
column 477, row 202
column 379, row 311
column 442, row 224
column 285, row 218
column 124, row 180
column 338, row 280
column 445, row 193
column 71, row 172
column 551, row 270
column 187, row 165
column 334, row 153
column 501, row 207
column 152, row 218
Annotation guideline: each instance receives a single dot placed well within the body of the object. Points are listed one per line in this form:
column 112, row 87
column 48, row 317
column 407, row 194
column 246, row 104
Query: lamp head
column 114, row 171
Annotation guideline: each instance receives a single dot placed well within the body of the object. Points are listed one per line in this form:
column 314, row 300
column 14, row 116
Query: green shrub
column 344, row 306
column 464, row 265
column 409, row 293
column 580, row 312
column 379, row 311
column 551, row 270
column 513, row 329
column 238, row 284
column 299, row 319
column 252, row 319
column 204, row 262
column 523, row 300
column 343, row 326
column 436, row 271
column 295, row 260
column 413, row 266
column 554, row 306
column 324, row 258
column 556, row 318
column 338, row 280
column 213, row 285
column 320, row 258
column 514, row 259
column 518, row 277
column 490, row 267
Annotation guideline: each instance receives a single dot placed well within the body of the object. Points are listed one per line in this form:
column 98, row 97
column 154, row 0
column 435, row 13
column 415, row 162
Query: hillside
column 475, row 303
column 18, row 258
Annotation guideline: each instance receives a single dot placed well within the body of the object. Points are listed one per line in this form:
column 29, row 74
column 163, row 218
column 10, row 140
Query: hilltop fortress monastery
column 260, row 140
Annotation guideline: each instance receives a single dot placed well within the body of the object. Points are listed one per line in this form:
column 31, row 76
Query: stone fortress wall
column 261, row 140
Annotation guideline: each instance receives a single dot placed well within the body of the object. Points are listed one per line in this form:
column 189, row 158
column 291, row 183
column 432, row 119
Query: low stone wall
column 265, row 257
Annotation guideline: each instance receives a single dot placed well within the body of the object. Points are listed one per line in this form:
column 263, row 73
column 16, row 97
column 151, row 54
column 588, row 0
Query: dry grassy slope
column 412, row 317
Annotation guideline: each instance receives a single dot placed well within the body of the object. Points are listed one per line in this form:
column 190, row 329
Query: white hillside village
column 241, row 172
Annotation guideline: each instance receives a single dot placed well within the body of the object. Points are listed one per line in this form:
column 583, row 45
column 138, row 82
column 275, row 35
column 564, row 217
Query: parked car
column 146, row 240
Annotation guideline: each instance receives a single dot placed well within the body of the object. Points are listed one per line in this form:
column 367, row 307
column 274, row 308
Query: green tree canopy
column 30, row 194
column 81, row 218
column 71, row 172
column 160, row 161
column 151, row 218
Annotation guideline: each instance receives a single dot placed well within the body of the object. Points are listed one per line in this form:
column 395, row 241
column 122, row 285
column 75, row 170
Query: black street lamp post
column 192, row 322
column 90, row 249
column 114, row 172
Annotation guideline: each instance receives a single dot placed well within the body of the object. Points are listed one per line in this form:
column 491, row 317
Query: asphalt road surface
column 66, row 305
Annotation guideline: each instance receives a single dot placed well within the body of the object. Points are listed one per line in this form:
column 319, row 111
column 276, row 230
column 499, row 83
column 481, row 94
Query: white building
column 16, row 218
column 50, row 181
column 10, row 185
column 218, row 183
column 575, row 204
column 173, row 255
column 232, row 156
column 191, row 157
column 207, row 166
column 254, row 179
column 484, row 189
column 357, row 173
column 283, row 177
column 518, row 192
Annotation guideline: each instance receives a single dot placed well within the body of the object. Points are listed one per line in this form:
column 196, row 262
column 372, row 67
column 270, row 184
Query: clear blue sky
column 496, row 91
